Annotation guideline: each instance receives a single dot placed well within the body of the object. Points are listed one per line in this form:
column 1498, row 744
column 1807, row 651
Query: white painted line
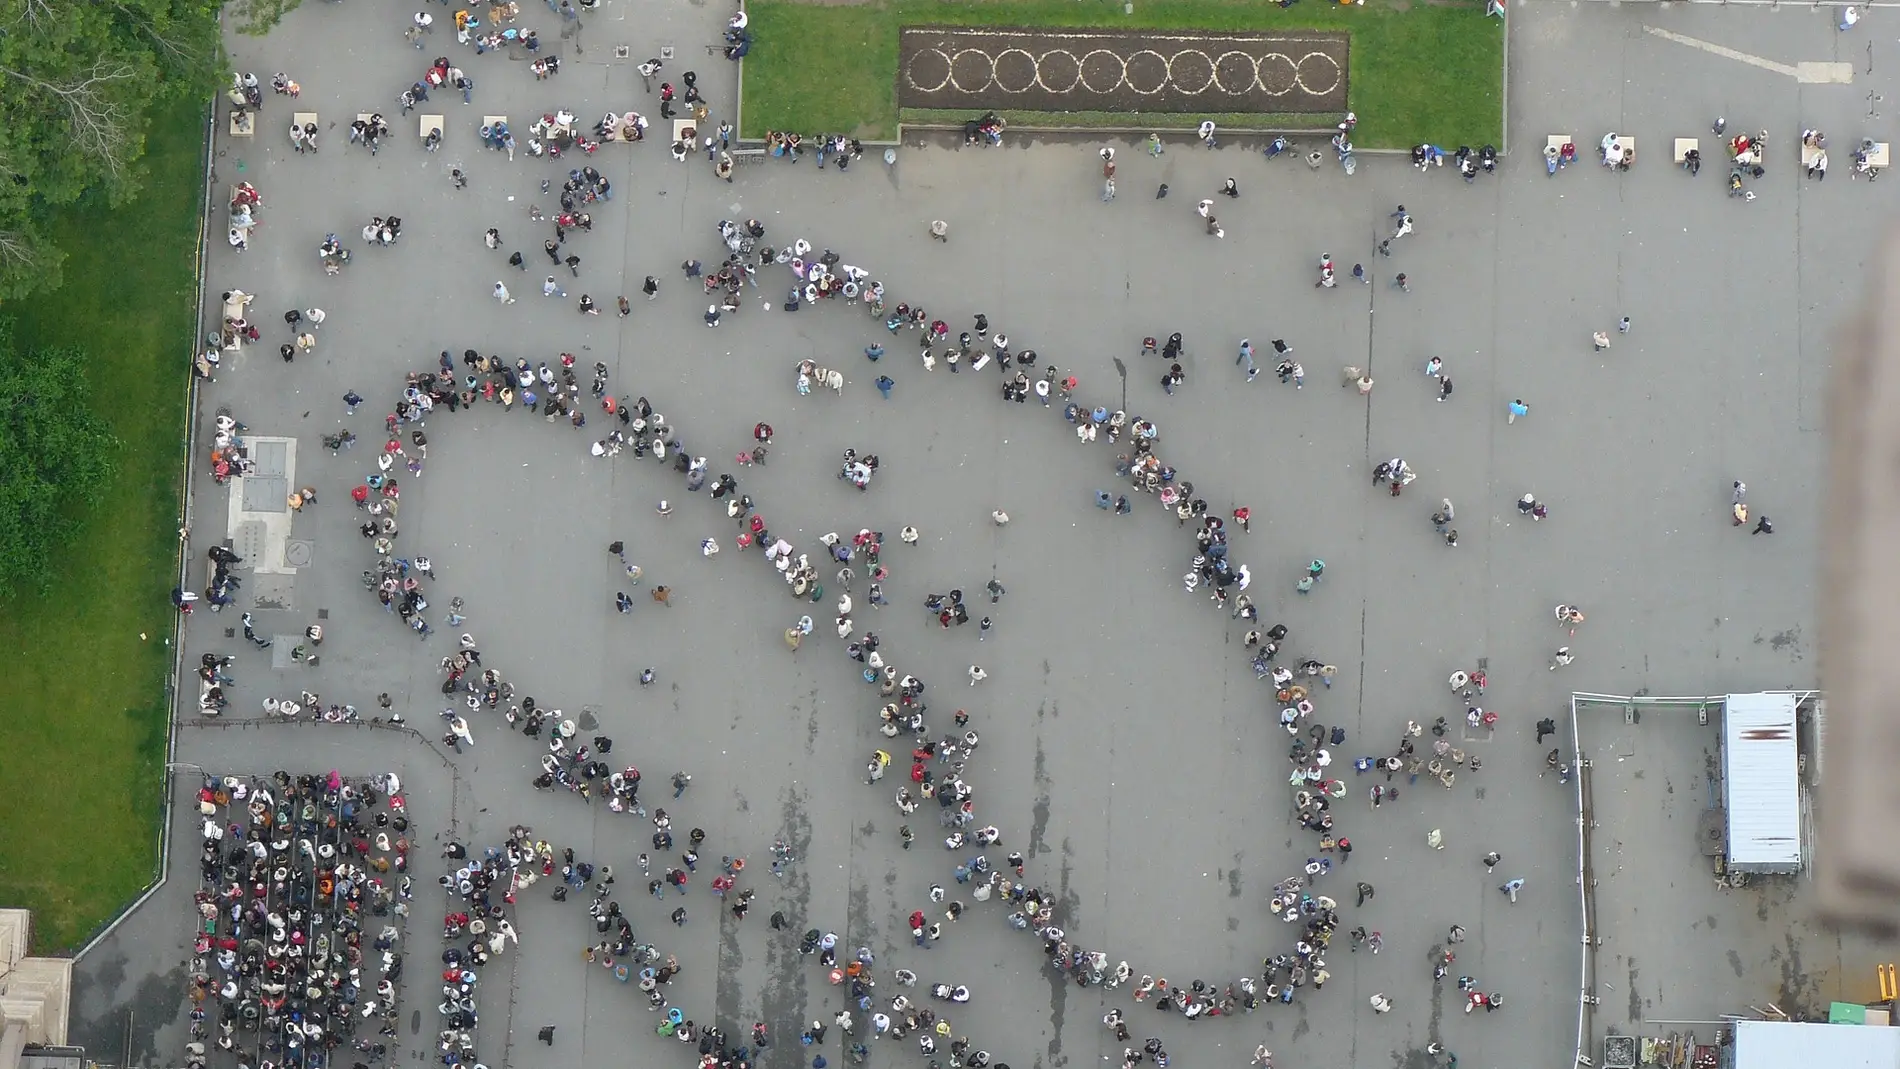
column 1720, row 50
column 1813, row 73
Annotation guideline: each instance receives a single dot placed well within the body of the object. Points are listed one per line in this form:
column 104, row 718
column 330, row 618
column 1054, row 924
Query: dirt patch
column 979, row 69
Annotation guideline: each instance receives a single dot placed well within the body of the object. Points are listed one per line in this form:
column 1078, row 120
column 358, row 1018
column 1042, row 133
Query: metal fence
column 1589, row 932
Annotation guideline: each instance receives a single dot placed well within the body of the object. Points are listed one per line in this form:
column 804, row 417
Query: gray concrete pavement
column 1124, row 740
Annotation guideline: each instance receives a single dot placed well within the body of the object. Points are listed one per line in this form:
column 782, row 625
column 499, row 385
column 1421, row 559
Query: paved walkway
column 1126, row 746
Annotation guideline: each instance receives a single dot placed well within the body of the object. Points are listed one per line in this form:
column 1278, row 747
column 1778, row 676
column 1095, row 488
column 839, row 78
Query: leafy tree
column 256, row 17
column 56, row 455
column 77, row 78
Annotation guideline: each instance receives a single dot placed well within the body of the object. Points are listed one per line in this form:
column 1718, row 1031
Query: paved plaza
column 1126, row 749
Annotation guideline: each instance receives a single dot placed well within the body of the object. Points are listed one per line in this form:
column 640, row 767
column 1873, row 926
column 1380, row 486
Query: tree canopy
column 56, row 456
column 258, row 17
column 77, row 78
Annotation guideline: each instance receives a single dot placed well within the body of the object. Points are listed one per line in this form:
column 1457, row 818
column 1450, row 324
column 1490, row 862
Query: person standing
column 1517, row 408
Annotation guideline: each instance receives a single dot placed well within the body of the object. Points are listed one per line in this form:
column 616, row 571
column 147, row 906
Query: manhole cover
column 666, row 51
column 323, row 614
column 1619, row 1052
column 297, row 554
column 590, row 717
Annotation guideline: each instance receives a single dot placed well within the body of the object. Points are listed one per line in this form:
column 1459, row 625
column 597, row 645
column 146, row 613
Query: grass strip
column 1420, row 71
column 83, row 739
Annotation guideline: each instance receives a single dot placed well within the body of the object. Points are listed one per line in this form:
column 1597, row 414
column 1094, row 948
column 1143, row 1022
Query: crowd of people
column 937, row 763
column 983, row 864
column 301, row 911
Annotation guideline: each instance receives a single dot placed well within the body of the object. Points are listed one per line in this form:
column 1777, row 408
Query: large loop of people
column 936, row 761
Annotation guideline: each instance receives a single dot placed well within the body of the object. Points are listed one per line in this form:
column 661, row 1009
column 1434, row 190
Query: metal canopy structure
column 1761, row 782
column 1780, row 1044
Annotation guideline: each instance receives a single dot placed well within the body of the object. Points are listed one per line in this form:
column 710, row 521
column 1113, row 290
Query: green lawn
column 82, row 737
column 1421, row 71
